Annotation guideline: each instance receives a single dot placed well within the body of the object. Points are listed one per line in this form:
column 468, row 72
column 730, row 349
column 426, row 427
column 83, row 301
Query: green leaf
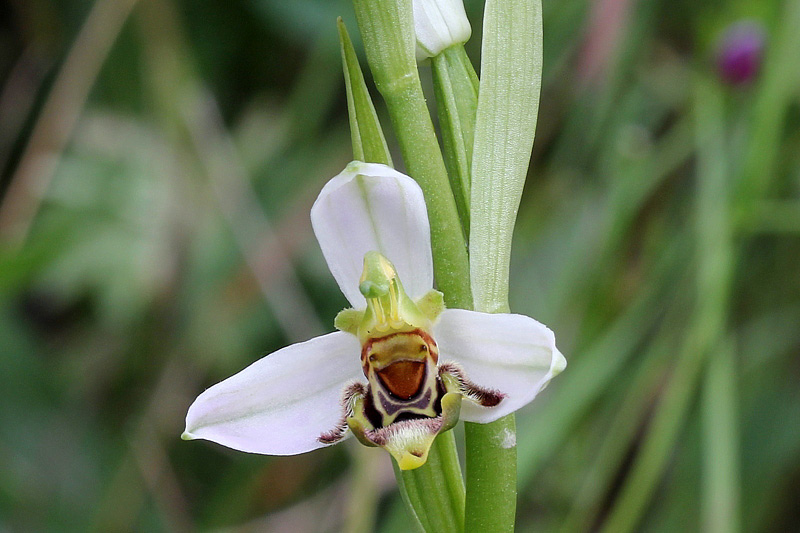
column 508, row 104
column 369, row 144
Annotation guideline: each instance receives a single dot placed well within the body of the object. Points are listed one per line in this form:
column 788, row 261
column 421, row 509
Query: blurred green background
column 159, row 159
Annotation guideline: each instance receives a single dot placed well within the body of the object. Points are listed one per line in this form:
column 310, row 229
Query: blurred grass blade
column 60, row 113
column 620, row 435
column 455, row 85
column 577, row 391
column 776, row 216
column 314, row 93
column 721, row 474
column 659, row 442
column 777, row 91
column 369, row 144
column 714, row 258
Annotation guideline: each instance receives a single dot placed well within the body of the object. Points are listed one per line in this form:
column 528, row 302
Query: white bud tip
column 439, row 24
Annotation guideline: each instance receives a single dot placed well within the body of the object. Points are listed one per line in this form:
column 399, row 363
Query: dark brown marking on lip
column 480, row 395
column 337, row 433
column 391, row 406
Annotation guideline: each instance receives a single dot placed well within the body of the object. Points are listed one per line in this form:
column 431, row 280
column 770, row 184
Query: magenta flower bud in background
column 740, row 52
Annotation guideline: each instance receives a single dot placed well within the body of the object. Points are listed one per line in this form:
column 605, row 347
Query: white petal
column 283, row 402
column 373, row 207
column 513, row 354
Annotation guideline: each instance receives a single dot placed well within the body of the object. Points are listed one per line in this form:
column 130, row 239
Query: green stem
column 434, row 492
column 387, row 28
column 424, row 162
column 491, row 464
column 492, row 474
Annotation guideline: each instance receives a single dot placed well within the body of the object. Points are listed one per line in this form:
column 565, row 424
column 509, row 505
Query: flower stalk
column 387, row 29
column 491, row 458
column 442, row 474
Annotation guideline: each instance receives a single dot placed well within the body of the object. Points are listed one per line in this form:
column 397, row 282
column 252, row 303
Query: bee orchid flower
column 396, row 372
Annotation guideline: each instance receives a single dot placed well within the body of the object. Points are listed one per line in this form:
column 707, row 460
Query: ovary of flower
column 439, row 24
column 395, row 373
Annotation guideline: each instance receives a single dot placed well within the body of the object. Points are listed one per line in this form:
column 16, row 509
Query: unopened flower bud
column 439, row 24
column 740, row 52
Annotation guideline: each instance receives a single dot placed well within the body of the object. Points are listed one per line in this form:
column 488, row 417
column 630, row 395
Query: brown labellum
column 403, row 378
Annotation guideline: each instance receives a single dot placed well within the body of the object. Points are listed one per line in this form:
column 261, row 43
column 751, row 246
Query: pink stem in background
column 59, row 116
column 606, row 22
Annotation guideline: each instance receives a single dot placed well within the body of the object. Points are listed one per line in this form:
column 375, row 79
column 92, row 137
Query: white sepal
column 439, row 24
column 282, row 403
column 373, row 207
column 512, row 354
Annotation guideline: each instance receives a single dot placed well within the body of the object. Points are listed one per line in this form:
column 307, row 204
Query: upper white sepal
column 372, row 207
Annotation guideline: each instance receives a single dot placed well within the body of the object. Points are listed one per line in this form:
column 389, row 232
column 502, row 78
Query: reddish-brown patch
column 403, row 378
